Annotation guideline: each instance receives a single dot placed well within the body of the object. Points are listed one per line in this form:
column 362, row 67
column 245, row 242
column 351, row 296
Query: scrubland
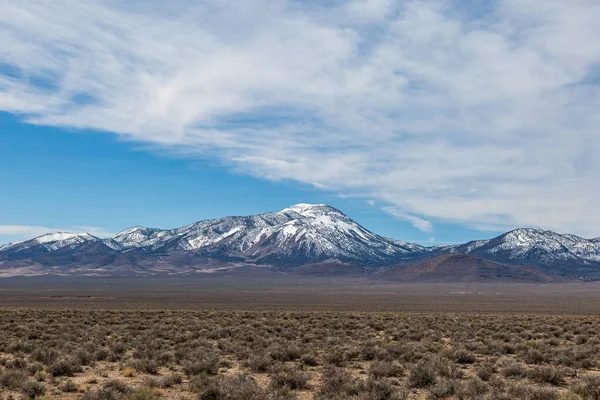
column 96, row 354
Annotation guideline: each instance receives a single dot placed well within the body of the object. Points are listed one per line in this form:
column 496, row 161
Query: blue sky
column 82, row 180
column 420, row 119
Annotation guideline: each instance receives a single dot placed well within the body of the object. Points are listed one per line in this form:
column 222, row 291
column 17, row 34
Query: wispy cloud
column 485, row 118
column 419, row 223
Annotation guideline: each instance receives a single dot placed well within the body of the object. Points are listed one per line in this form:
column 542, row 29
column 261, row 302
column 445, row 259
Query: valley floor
column 301, row 338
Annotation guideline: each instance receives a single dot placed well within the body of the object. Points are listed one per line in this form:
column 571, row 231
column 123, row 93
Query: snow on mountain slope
column 304, row 234
column 52, row 241
column 7, row 245
column 303, row 231
column 528, row 244
column 132, row 238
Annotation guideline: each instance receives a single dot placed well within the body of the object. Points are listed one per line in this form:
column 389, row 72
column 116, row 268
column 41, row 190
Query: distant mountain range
column 305, row 238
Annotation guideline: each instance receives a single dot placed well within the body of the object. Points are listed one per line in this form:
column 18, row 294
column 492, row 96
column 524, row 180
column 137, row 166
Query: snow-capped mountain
column 318, row 237
column 297, row 235
column 49, row 243
column 294, row 235
column 564, row 254
column 131, row 238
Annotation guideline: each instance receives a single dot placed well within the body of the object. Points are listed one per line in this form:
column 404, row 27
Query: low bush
column 236, row 387
column 288, row 376
column 422, row 375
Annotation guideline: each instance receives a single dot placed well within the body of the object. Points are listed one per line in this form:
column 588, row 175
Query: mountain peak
column 132, row 237
column 311, row 210
column 526, row 234
column 52, row 241
column 134, row 229
column 62, row 236
column 538, row 247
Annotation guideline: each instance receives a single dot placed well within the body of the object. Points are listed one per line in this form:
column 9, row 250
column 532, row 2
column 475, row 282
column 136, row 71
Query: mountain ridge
column 303, row 235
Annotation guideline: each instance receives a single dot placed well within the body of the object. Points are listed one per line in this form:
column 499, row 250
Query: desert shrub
column 443, row 388
column 170, row 380
column 422, row 375
column 207, row 364
column 235, row 387
column 101, row 354
column 143, row 394
column 309, row 359
column 198, row 383
column 151, row 382
column 547, row 374
column 17, row 363
column 462, row 356
column 283, row 393
column 498, row 394
column 581, row 339
column 68, row 386
column 513, row 369
column 387, row 369
column 84, row 357
column 33, row 389
column 118, row 348
column 44, row 355
column 260, row 363
column 12, row 379
column 34, row 368
column 286, row 353
column 379, row 389
column 336, row 383
column 413, row 352
column 335, row 357
column 289, row 376
column 534, row 357
column 588, row 387
column 101, row 394
column 528, row 392
column 145, row 366
column 116, row 386
column 472, row 389
column 569, row 395
column 484, row 371
column 446, row 369
column 64, row 367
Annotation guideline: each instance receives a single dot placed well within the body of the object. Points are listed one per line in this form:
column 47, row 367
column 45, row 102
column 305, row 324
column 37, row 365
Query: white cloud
column 487, row 120
column 371, row 203
column 419, row 223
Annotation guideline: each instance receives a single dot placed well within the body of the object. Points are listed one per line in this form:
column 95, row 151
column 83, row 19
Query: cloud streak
column 483, row 119
column 419, row 223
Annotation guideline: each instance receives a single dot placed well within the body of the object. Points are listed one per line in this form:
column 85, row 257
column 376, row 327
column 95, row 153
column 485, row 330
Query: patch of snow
column 61, row 236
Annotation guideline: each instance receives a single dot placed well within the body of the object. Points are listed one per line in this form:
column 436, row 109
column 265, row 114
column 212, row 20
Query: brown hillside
column 463, row 268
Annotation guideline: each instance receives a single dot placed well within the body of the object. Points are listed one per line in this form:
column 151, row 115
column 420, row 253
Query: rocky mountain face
column 562, row 255
column 292, row 236
column 299, row 235
column 314, row 239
